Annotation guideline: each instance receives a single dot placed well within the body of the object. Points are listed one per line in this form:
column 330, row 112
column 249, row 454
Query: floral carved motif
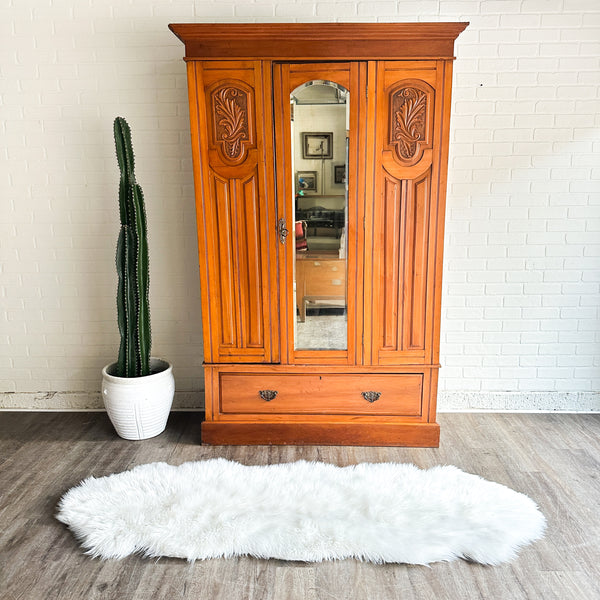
column 408, row 127
column 230, row 106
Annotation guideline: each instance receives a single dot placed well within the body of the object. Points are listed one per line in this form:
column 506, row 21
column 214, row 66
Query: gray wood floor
column 555, row 459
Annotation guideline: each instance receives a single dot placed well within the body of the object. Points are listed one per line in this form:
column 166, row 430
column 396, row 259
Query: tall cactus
column 132, row 264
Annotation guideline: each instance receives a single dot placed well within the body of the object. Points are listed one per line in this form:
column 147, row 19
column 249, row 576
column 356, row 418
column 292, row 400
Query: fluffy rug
column 302, row 511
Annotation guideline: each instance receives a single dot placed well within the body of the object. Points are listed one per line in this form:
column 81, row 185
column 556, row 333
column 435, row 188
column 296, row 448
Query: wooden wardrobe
column 320, row 157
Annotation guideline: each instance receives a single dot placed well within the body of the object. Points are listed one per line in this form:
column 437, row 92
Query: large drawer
column 354, row 394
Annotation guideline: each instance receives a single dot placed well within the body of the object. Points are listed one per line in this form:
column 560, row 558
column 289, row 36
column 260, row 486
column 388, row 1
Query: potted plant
column 137, row 389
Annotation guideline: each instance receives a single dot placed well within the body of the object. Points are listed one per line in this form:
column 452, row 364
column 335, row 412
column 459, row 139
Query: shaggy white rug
column 301, row 511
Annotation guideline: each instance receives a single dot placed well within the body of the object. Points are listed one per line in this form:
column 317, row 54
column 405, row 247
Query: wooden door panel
column 393, row 227
column 404, row 263
column 248, row 260
column 224, row 260
column 415, row 266
column 406, row 138
column 236, row 210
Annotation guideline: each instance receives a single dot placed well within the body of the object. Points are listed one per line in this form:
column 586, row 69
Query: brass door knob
column 282, row 229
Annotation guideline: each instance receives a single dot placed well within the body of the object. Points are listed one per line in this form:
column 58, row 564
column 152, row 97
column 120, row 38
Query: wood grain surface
column 240, row 77
column 553, row 458
column 305, row 41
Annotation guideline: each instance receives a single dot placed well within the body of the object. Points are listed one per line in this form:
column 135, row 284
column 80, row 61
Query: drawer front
column 328, row 277
column 321, row 278
column 368, row 394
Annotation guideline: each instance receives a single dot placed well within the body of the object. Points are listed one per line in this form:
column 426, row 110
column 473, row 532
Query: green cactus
column 132, row 264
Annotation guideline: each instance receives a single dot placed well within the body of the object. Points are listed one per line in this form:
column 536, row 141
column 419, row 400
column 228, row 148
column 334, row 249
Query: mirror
column 319, row 128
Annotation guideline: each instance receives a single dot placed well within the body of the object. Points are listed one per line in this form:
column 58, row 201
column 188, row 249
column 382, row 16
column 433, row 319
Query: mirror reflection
column 320, row 117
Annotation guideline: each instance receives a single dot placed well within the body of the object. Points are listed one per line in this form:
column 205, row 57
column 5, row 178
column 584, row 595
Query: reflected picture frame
column 339, row 174
column 306, row 181
column 317, row 145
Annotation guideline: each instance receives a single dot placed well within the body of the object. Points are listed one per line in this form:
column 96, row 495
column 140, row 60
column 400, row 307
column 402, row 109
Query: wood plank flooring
column 554, row 458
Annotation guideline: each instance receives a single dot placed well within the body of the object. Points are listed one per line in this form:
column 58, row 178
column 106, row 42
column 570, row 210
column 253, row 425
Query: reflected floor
column 322, row 332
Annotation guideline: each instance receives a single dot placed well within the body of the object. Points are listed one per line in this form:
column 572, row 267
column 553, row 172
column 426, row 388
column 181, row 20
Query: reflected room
column 320, row 116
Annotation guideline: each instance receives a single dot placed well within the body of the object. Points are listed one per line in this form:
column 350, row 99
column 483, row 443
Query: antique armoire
column 320, row 157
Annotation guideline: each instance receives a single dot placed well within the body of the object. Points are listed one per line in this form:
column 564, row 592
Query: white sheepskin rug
column 303, row 511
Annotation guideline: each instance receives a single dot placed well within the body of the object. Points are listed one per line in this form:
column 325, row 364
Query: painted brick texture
column 522, row 263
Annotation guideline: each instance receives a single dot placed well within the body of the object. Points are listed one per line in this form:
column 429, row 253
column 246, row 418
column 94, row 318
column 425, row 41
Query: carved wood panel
column 232, row 115
column 410, row 120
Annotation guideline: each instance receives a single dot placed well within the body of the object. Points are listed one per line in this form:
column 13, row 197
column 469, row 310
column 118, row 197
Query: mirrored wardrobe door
column 319, row 114
column 315, row 182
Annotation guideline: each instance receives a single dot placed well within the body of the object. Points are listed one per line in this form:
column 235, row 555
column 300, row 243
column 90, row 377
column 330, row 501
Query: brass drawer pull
column 371, row 396
column 267, row 395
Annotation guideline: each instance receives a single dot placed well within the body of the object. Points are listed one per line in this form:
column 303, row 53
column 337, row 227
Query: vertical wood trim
column 359, row 121
column 430, row 394
column 384, row 257
column 406, row 266
column 249, row 226
column 444, row 87
column 237, row 249
column 416, row 316
column 268, row 207
column 281, row 115
column 372, row 193
column 392, row 226
column 211, row 408
column 221, row 201
column 353, row 286
column 200, row 160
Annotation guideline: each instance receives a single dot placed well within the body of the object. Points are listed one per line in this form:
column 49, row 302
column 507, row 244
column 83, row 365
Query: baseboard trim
column 530, row 402
column 82, row 401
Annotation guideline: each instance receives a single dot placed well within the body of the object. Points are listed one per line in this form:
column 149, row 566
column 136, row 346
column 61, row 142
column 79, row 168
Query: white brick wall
column 521, row 291
column 522, row 278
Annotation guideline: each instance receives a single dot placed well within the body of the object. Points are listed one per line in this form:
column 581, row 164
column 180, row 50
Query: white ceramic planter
column 139, row 407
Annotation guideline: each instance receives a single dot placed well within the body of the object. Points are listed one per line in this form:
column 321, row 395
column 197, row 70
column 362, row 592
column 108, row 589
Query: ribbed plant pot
column 139, row 407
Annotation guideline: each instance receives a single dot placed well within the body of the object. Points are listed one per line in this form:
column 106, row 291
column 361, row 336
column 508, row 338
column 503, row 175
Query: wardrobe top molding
column 317, row 41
